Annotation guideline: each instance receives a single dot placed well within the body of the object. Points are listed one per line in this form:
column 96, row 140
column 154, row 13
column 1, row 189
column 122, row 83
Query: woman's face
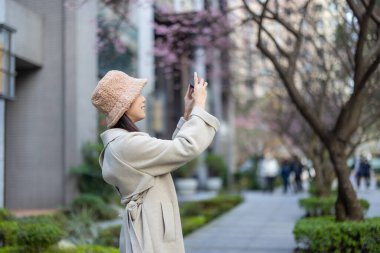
column 137, row 110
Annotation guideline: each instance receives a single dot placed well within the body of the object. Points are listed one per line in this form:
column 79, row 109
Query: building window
column 7, row 63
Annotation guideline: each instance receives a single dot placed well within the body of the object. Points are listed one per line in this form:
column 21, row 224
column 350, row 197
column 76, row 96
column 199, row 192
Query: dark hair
column 126, row 123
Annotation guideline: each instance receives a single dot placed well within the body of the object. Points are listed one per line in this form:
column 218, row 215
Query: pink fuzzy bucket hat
column 115, row 93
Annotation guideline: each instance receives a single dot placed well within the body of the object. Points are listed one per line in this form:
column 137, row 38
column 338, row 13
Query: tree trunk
column 328, row 177
column 324, row 172
column 347, row 205
column 322, row 184
column 319, row 185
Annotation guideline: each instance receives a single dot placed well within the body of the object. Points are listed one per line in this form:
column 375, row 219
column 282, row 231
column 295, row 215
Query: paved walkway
column 262, row 224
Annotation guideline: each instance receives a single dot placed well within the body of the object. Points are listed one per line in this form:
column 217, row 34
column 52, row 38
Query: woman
column 139, row 165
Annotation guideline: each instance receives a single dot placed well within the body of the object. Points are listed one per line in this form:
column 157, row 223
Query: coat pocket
column 168, row 219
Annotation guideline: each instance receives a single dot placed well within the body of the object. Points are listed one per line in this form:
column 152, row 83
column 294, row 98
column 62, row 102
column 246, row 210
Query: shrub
column 315, row 206
column 186, row 170
column 94, row 203
column 37, row 236
column 189, row 224
column 196, row 214
column 109, row 236
column 314, row 192
column 29, row 234
column 247, row 176
column 11, row 249
column 217, row 167
column 83, row 249
column 220, row 204
column 81, row 227
column 5, row 214
column 247, row 180
column 8, row 233
column 324, row 234
column 89, row 173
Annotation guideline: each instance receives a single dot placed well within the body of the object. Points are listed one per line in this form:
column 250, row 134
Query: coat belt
column 134, row 212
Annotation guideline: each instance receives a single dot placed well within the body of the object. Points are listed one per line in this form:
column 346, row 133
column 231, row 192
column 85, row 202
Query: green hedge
column 5, row 214
column 315, row 206
column 189, row 224
column 36, row 235
column 109, row 236
column 89, row 173
column 32, row 234
column 324, row 234
column 196, row 214
column 10, row 249
column 99, row 208
column 83, row 249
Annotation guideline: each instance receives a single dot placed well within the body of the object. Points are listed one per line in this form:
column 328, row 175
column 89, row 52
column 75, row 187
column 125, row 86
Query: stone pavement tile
column 266, row 250
column 263, row 224
column 373, row 197
column 219, row 250
column 222, row 242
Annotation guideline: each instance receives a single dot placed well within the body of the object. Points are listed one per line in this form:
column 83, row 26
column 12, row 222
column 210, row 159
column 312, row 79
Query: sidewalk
column 262, row 224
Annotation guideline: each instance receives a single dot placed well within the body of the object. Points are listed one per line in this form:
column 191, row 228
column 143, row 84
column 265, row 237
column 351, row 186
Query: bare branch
column 355, row 9
column 282, row 21
column 348, row 67
column 375, row 17
column 297, row 45
column 359, row 61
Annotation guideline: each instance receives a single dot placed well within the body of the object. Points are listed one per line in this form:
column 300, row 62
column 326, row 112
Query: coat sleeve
column 179, row 125
column 157, row 157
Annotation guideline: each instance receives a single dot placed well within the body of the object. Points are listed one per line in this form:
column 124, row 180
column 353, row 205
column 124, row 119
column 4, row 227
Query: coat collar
column 111, row 134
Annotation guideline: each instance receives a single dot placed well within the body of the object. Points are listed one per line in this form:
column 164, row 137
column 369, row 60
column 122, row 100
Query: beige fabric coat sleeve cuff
column 179, row 125
column 207, row 117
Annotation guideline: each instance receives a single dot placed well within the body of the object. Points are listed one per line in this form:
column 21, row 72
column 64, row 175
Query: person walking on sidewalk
column 297, row 168
column 139, row 166
column 285, row 174
column 364, row 171
column 270, row 170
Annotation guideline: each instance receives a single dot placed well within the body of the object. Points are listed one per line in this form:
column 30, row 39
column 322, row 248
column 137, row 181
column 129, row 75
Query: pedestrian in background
column 296, row 167
column 364, row 171
column 270, row 170
column 285, row 174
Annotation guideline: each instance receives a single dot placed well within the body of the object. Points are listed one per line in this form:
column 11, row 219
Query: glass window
column 7, row 63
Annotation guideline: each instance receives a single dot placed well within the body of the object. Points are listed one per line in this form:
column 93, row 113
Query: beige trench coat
column 139, row 167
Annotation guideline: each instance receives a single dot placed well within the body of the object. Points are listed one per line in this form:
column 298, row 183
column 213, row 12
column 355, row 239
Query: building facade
column 44, row 128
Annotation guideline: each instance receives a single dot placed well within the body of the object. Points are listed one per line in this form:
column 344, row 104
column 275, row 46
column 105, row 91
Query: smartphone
column 191, row 85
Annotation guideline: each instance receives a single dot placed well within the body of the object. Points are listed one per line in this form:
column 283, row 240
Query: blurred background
column 295, row 85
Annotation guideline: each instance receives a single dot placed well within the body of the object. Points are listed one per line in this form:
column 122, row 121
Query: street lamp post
column 7, row 63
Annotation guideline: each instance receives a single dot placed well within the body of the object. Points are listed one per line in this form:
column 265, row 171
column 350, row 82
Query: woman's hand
column 196, row 96
column 189, row 102
column 200, row 91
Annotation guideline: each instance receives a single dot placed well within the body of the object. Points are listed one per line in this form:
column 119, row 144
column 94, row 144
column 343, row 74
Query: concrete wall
column 28, row 38
column 52, row 116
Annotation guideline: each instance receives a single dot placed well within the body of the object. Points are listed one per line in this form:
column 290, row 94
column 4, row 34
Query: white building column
column 216, row 88
column 145, row 56
column 200, row 68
